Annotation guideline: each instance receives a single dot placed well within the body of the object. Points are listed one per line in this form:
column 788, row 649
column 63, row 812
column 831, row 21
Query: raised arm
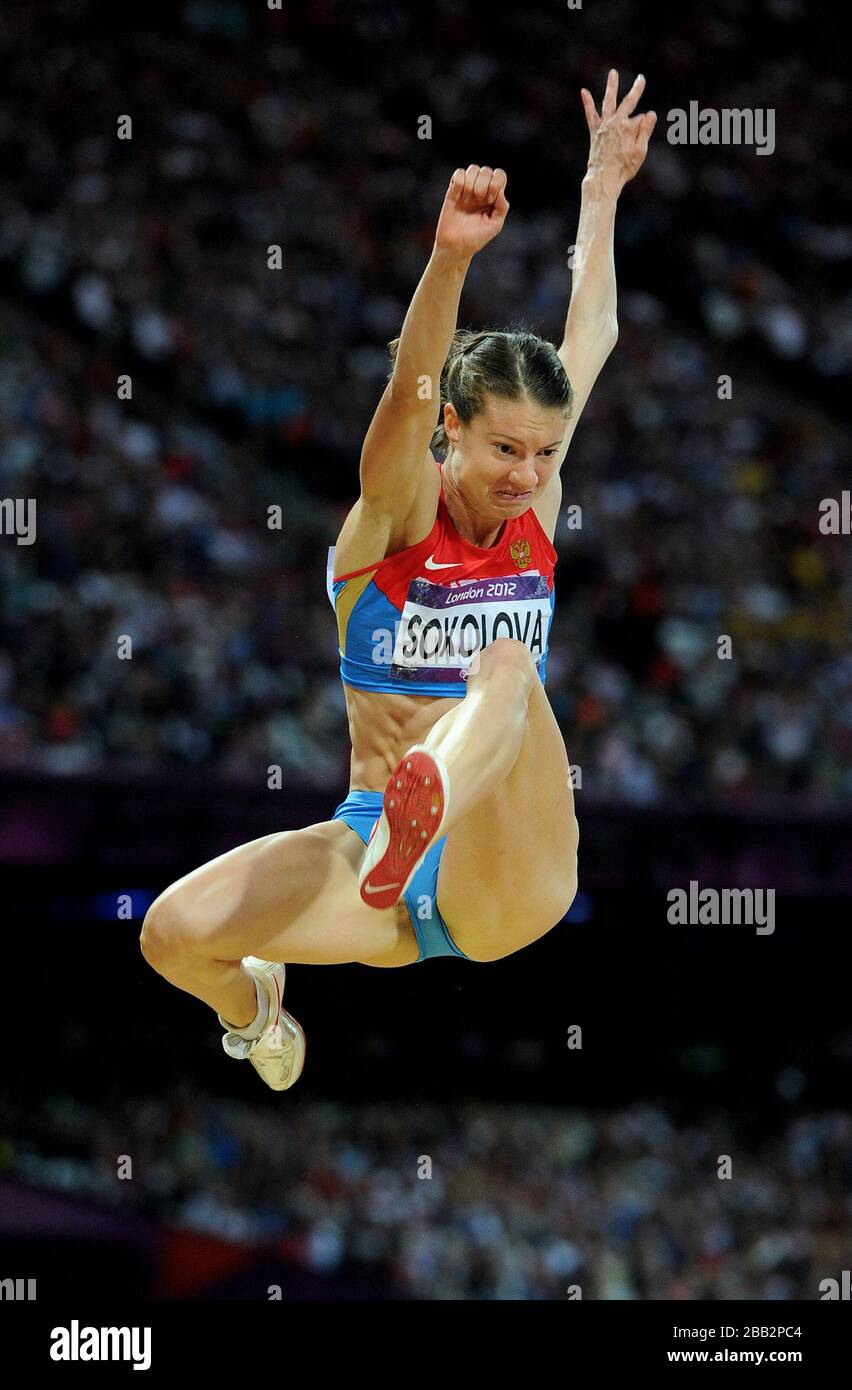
column 618, row 145
column 394, row 455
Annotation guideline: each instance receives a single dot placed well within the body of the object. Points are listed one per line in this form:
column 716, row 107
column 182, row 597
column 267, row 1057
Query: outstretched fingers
column 610, row 94
column 631, row 100
column 640, row 127
column 593, row 120
column 644, row 129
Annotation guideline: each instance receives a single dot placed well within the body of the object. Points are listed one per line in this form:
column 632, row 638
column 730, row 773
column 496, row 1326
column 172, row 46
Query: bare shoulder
column 370, row 533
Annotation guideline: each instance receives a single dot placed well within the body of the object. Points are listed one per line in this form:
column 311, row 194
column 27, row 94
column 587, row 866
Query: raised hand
column 619, row 144
column 474, row 210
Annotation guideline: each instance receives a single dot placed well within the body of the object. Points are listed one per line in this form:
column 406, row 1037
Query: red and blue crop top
column 412, row 622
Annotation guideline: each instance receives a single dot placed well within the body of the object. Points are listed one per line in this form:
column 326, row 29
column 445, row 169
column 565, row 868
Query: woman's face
column 505, row 457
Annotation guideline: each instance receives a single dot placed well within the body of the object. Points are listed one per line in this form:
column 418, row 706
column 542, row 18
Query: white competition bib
column 442, row 627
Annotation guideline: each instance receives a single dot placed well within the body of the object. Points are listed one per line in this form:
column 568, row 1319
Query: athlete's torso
column 410, row 624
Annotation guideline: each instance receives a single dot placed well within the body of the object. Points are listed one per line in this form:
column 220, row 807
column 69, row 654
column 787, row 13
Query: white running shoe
column 278, row 1054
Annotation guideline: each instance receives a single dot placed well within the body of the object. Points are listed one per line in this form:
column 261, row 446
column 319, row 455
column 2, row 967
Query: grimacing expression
column 507, row 454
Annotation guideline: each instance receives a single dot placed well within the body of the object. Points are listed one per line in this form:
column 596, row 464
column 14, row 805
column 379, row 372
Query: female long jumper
column 458, row 835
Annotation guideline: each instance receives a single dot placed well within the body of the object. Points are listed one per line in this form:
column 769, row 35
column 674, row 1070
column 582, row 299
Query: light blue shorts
column 361, row 810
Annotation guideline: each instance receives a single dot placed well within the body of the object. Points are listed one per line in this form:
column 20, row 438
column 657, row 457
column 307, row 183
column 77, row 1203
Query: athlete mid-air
column 442, row 584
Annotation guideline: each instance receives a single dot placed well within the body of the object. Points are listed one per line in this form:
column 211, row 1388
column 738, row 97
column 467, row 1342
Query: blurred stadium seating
column 253, row 389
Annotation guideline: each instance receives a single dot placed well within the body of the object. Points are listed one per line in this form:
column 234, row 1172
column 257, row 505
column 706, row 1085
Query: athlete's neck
column 472, row 526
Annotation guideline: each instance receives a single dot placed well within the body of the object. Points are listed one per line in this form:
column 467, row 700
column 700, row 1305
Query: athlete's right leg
column 290, row 897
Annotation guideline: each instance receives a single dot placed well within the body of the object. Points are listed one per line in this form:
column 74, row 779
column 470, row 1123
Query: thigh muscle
column 291, row 896
column 508, row 870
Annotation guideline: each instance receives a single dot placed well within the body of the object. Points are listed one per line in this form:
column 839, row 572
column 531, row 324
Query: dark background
column 551, row 1166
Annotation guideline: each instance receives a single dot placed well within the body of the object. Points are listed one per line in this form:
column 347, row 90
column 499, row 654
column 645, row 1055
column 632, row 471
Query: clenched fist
column 474, row 210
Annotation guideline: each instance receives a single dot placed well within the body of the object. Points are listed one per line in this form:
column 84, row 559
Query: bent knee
column 542, row 909
column 168, row 932
column 505, row 652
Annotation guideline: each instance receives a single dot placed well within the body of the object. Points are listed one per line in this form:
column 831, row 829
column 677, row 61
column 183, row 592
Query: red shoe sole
column 408, row 804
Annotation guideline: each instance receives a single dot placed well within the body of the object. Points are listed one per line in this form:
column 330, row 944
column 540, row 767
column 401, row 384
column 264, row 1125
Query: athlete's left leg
column 508, row 870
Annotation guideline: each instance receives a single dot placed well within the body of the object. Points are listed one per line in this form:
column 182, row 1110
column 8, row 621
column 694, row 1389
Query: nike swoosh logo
column 431, row 565
column 384, row 887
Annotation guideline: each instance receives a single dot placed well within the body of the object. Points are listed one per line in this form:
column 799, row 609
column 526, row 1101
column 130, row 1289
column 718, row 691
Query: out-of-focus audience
column 468, row 1200
column 252, row 388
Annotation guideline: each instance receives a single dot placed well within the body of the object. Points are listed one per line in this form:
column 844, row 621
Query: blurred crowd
column 252, row 388
column 468, row 1201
